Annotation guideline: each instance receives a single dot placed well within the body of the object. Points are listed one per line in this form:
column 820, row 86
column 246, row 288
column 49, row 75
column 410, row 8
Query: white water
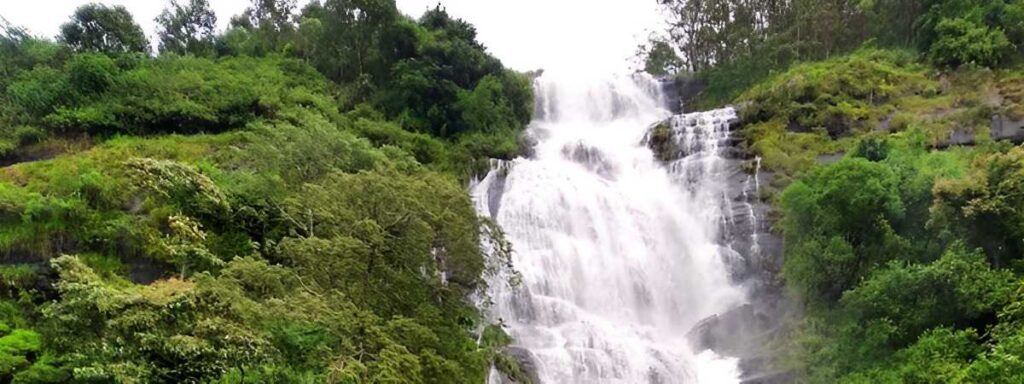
column 618, row 253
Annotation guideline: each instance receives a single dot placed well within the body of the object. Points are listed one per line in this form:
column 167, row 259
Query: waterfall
column 619, row 254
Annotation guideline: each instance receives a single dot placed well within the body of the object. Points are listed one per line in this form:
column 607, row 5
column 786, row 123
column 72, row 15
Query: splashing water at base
column 618, row 253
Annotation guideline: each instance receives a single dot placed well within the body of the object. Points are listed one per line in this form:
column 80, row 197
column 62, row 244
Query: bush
column 841, row 95
column 958, row 290
column 170, row 94
column 960, row 41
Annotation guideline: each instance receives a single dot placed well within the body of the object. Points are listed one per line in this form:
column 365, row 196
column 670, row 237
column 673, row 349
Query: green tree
column 958, row 290
column 271, row 22
column 659, row 58
column 961, row 41
column 984, row 207
column 352, row 41
column 187, row 28
column 854, row 197
column 96, row 27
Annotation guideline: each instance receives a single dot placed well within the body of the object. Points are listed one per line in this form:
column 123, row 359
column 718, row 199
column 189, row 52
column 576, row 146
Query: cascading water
column 620, row 255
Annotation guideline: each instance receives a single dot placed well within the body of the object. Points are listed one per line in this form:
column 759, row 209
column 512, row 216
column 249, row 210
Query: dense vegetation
column 282, row 202
column 900, row 203
column 734, row 44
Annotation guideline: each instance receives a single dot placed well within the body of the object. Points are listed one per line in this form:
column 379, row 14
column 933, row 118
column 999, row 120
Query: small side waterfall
column 620, row 253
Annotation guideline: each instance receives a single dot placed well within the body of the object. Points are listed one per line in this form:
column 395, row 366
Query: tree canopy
column 187, row 28
column 101, row 28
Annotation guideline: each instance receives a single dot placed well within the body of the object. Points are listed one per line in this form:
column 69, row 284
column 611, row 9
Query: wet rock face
column 745, row 229
column 755, row 252
column 589, row 157
column 526, row 360
column 672, row 139
column 682, row 92
column 737, row 332
column 526, row 366
column 659, row 140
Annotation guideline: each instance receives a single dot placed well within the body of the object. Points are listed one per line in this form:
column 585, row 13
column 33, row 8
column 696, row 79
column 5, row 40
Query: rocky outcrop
column 516, row 365
column 667, row 143
column 1005, row 128
column 589, row 157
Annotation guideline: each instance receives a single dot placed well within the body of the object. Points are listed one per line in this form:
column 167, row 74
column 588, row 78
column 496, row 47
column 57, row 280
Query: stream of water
column 619, row 253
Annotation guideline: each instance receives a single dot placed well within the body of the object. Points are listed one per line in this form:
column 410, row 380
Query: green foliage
column 726, row 82
column 733, row 44
column 848, row 197
column 425, row 148
column 170, row 94
column 958, row 289
column 485, row 109
column 292, row 210
column 659, row 58
column 269, row 23
column 431, row 76
column 100, row 28
column 20, row 51
column 872, row 148
column 984, row 206
column 189, row 190
column 878, row 246
column 960, row 41
column 355, row 41
column 840, row 95
column 187, row 28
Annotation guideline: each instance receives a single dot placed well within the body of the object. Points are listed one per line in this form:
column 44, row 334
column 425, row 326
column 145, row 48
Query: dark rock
column 501, row 169
column 527, row 365
column 146, row 271
column 736, row 333
column 1003, row 128
column 661, row 141
column 589, row 157
column 527, row 144
column 683, row 92
column 1000, row 128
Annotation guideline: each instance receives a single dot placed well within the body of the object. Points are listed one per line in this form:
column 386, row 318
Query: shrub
column 961, row 41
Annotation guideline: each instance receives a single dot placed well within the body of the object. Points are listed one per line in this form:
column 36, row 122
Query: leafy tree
column 939, row 355
column 270, row 21
column 96, row 27
column 353, row 40
column 822, row 269
column 20, row 51
column 486, row 109
column 958, row 290
column 984, row 207
column 853, row 197
column 960, row 41
column 187, row 28
column 659, row 58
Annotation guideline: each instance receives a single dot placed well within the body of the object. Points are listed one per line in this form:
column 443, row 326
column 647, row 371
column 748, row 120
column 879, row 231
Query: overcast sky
column 583, row 35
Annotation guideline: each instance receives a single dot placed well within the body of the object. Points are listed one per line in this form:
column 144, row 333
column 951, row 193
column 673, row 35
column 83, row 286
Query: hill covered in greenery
column 892, row 129
column 281, row 202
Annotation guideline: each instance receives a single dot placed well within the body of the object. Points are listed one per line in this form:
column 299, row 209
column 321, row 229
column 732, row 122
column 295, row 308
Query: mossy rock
column 660, row 139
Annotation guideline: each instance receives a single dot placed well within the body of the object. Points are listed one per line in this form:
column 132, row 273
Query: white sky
column 594, row 36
